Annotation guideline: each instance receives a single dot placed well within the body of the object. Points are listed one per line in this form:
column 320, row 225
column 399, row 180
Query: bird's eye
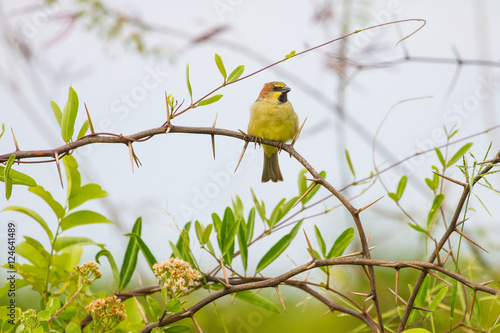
column 276, row 88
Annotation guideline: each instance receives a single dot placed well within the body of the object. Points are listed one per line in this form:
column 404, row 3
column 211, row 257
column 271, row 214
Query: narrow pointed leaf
column 235, row 75
column 210, row 100
column 57, row 112
column 205, row 237
column 66, row 241
column 249, row 297
column 436, row 204
column 438, row 298
column 348, row 158
column 401, row 186
column 302, row 182
column 190, row 90
column 18, row 178
column 250, row 225
column 291, row 54
column 130, row 258
column 220, row 66
column 7, row 177
column 69, row 115
column 458, row 155
column 150, row 258
column 242, row 242
column 440, row 156
column 341, row 243
column 112, row 263
column 83, row 129
column 321, row 241
column 416, row 227
column 278, row 248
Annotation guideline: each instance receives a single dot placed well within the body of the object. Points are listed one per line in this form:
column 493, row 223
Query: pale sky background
column 178, row 172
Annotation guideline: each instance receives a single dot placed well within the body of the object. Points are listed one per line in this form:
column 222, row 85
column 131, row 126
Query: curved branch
column 240, row 284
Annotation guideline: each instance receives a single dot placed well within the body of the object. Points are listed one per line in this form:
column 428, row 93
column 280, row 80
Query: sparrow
column 272, row 117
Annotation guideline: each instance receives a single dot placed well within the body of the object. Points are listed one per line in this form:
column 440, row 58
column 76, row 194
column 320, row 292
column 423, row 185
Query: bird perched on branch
column 272, row 117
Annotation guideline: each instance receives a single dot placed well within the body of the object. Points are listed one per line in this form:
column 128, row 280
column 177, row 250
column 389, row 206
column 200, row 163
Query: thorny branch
column 257, row 283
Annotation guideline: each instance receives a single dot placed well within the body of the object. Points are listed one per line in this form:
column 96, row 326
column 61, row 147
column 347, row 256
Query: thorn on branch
column 90, row 120
column 56, row 156
column 241, row 156
column 450, row 179
column 213, row 136
column 365, row 207
column 281, row 299
column 306, row 193
column 15, row 140
column 310, row 247
column 470, row 240
column 298, row 133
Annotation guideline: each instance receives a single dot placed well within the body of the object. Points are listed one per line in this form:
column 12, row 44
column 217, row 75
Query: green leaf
column 261, row 209
column 275, row 215
column 228, row 230
column 72, row 328
column 31, row 253
column 39, row 248
column 235, row 75
column 314, row 190
column 302, row 182
column 82, row 217
column 402, row 186
column 210, row 100
column 1, row 134
column 130, row 258
column 417, row 227
column 220, row 66
column 348, row 157
column 72, row 175
column 438, row 298
column 66, row 241
column 173, row 305
column 440, row 157
column 416, row 330
column 69, row 116
column 393, row 196
column 190, row 90
column 83, row 129
column 176, row 329
column 34, row 215
column 458, row 155
column 249, row 297
column 436, row 204
column 321, row 241
column 242, row 241
column 18, row 178
column 237, row 207
column 7, row 177
column 85, row 193
column 250, row 225
column 291, row 54
column 199, row 231
column 145, row 250
column 341, row 243
column 154, row 307
column 205, row 237
column 57, row 208
column 57, row 112
column 278, row 248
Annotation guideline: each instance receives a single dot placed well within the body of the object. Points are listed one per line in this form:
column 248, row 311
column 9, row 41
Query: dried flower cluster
column 87, row 273
column 176, row 276
column 107, row 312
column 29, row 320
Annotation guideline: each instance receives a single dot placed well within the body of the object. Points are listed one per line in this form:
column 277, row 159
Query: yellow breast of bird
column 273, row 121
